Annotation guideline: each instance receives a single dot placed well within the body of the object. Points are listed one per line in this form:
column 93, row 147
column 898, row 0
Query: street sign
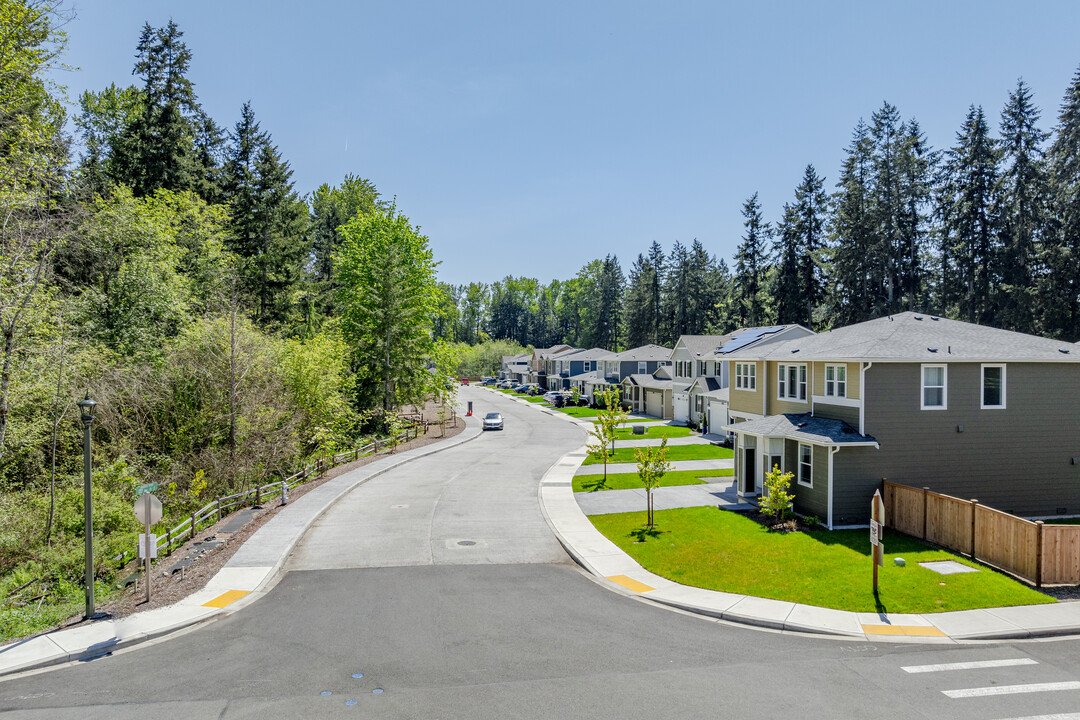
column 143, row 489
column 148, row 509
column 877, row 550
column 143, row 546
column 875, row 533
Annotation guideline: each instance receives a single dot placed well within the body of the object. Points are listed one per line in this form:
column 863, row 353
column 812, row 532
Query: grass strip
column 674, row 452
column 631, row 481
column 721, row 550
column 655, row 432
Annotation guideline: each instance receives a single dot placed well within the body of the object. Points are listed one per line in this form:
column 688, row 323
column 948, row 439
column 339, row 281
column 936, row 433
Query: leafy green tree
column 317, row 375
column 652, row 466
column 776, row 501
column 102, row 120
column 388, row 295
column 605, row 426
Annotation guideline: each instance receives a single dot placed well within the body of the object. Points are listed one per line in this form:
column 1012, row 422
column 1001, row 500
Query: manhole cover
column 466, row 542
column 947, row 567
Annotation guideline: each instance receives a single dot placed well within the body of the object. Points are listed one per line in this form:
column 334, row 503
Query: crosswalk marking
column 976, row 665
column 1011, row 689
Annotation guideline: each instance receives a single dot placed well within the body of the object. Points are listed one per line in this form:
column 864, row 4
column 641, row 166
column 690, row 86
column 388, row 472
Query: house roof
column 645, row 352
column 591, row 377
column 750, row 336
column 590, row 354
column 806, row 427
column 648, row 381
column 704, row 345
column 914, row 337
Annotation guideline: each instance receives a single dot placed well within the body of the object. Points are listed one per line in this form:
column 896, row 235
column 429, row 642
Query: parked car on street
column 464, row 381
column 493, row 421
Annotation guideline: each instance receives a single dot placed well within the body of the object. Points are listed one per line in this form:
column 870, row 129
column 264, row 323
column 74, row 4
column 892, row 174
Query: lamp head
column 86, row 408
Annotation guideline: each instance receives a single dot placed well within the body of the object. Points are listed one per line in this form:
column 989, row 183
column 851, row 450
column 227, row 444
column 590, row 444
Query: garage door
column 654, row 404
column 681, row 406
column 717, row 417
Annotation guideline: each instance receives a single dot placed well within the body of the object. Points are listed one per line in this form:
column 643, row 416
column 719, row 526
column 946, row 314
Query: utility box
column 639, row 429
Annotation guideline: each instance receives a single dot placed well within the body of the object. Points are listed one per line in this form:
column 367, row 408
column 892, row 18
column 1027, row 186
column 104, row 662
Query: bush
column 777, row 500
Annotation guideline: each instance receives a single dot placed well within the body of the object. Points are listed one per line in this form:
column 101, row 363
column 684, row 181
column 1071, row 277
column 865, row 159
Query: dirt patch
column 167, row 590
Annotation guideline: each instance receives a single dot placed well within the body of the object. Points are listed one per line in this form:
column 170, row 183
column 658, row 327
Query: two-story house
column 967, row 410
column 538, row 363
column 515, row 367
column 572, row 368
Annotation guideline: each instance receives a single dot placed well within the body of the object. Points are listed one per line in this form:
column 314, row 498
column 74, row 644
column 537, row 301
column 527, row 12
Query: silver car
column 493, row 421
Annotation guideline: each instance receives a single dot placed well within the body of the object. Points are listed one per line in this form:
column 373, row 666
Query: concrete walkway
column 612, row 468
column 664, row 498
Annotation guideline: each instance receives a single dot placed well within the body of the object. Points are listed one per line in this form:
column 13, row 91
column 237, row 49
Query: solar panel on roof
column 750, row 336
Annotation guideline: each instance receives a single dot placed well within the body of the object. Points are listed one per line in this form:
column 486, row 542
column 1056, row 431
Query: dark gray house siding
column 809, row 500
column 850, row 415
column 856, row 475
column 998, row 455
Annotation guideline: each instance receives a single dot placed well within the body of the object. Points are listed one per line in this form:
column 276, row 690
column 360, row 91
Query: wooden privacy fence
column 217, row 509
column 1031, row 550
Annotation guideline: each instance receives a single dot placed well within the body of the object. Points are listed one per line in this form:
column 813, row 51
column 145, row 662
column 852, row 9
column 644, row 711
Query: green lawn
column 628, row 481
column 580, row 412
column 674, row 452
column 532, row 398
column 655, row 431
column 720, row 550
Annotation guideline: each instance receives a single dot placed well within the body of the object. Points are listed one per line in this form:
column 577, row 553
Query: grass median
column 631, row 481
column 721, row 550
column 674, row 453
column 654, row 432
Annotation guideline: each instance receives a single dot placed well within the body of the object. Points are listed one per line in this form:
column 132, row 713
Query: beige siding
column 852, row 379
column 744, row 400
column 781, row 407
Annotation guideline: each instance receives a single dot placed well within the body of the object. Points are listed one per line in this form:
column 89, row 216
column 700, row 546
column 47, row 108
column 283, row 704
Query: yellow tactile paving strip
column 908, row 630
column 630, row 583
column 226, row 599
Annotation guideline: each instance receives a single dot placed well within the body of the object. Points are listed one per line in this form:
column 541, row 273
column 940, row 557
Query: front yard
column 674, row 452
column 654, row 432
column 721, row 550
column 631, row 481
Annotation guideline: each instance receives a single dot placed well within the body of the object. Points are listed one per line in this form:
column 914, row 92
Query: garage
column 681, row 406
column 654, row 403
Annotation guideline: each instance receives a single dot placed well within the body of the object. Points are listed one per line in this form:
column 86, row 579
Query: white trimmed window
column 746, row 376
column 642, row 367
column 935, row 386
column 993, row 387
column 791, row 383
column 836, row 381
column 806, row 465
column 701, row 367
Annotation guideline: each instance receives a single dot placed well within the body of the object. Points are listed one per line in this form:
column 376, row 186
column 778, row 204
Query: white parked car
column 493, row 421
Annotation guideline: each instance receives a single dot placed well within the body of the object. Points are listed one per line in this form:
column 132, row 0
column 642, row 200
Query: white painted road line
column 977, row 665
column 1057, row 716
column 1011, row 689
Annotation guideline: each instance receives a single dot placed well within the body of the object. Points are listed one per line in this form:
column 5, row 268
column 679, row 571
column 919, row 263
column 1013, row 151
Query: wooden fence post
column 974, row 513
column 1038, row 552
column 258, row 494
column 168, row 539
column 925, row 508
column 192, row 526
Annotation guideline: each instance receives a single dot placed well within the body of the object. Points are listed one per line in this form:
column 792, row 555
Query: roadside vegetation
column 721, row 550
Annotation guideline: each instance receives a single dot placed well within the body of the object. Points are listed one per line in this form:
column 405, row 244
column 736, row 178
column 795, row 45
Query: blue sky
column 529, row 138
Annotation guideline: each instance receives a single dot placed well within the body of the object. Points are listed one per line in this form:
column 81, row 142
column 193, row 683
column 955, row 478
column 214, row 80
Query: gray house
column 963, row 409
column 576, row 364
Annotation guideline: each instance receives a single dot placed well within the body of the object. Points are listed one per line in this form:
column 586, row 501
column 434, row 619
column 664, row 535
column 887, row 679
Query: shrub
column 777, row 500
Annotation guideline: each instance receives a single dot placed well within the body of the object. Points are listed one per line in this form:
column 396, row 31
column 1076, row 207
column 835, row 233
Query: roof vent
column 932, row 349
column 935, row 319
column 795, row 351
column 1063, row 350
column 918, row 317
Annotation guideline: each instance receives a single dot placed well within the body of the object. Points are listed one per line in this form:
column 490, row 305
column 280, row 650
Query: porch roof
column 648, row 381
column 805, row 427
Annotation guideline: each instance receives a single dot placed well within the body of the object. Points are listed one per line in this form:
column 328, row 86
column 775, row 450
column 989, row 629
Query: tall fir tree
column 852, row 233
column 640, row 311
column 676, row 293
column 810, row 207
column 787, row 256
column 751, row 266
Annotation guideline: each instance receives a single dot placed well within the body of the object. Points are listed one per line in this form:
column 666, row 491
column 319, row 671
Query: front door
column 749, row 469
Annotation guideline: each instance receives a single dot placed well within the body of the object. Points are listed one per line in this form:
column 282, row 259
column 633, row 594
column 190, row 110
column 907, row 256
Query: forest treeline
column 228, row 327
column 986, row 230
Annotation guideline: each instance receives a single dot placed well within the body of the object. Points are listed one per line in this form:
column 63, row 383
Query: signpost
column 877, row 550
column 148, row 511
column 143, row 489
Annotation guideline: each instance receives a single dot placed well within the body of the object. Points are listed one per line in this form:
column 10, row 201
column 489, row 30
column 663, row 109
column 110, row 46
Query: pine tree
column 852, row 233
column 607, row 331
column 751, row 266
column 809, row 217
column 676, row 293
column 916, row 165
column 705, row 289
column 640, row 314
column 1023, row 197
column 787, row 281
column 1060, row 288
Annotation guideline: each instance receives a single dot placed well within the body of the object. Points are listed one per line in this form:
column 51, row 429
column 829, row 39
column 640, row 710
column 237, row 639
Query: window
column 746, row 376
column 701, row 367
column 836, row 381
column 698, row 403
column 791, row 383
column 993, row 387
column 934, row 386
column 806, row 465
column 642, row 368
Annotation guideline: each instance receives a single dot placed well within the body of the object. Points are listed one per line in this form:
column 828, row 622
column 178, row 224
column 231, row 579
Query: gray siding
column 815, row 500
column 850, row 415
column 856, row 475
column 1017, row 459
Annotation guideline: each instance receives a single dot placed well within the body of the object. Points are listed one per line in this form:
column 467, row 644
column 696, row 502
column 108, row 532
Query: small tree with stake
column 777, row 500
column 652, row 466
column 611, row 415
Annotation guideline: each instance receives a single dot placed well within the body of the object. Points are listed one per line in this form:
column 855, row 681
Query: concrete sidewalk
column 612, row 468
column 604, row 559
column 721, row 494
column 248, row 575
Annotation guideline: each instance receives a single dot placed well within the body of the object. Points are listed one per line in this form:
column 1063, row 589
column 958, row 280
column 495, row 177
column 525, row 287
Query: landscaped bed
column 722, row 550
column 674, row 452
column 631, row 481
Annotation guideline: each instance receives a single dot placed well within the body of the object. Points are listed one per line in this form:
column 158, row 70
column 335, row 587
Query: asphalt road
column 508, row 627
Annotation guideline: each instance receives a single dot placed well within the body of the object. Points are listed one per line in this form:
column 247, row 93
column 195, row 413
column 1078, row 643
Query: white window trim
column 944, row 387
column 803, row 383
column 836, row 381
column 744, row 379
column 982, row 387
column 800, row 481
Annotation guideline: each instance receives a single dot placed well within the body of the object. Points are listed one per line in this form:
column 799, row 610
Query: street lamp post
column 86, row 412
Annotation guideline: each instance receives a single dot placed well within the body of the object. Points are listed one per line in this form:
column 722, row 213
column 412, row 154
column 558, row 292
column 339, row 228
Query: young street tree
column 388, row 295
column 605, row 427
column 652, row 466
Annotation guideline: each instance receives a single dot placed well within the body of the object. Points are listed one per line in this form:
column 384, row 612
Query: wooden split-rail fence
column 216, row 510
column 1034, row 551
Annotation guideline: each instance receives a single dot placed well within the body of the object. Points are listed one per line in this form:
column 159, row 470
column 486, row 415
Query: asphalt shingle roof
column 803, row 426
column 915, row 337
column 645, row 352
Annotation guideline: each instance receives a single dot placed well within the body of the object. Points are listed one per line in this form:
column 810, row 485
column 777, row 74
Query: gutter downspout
column 764, row 387
column 832, row 451
column 862, row 396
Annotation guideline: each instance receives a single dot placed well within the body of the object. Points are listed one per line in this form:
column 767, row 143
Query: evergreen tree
column 676, row 293
column 751, row 266
column 916, row 166
column 705, row 289
column 970, row 232
column 809, row 218
column 852, row 233
column 608, row 331
column 787, row 280
column 1023, row 197
column 641, row 312
column 269, row 220
column 1060, row 288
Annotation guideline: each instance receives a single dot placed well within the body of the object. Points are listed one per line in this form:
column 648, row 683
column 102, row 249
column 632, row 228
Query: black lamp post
column 86, row 412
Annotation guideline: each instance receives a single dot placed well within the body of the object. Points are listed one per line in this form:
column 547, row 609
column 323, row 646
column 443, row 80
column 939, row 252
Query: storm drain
column 466, row 543
column 947, row 567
